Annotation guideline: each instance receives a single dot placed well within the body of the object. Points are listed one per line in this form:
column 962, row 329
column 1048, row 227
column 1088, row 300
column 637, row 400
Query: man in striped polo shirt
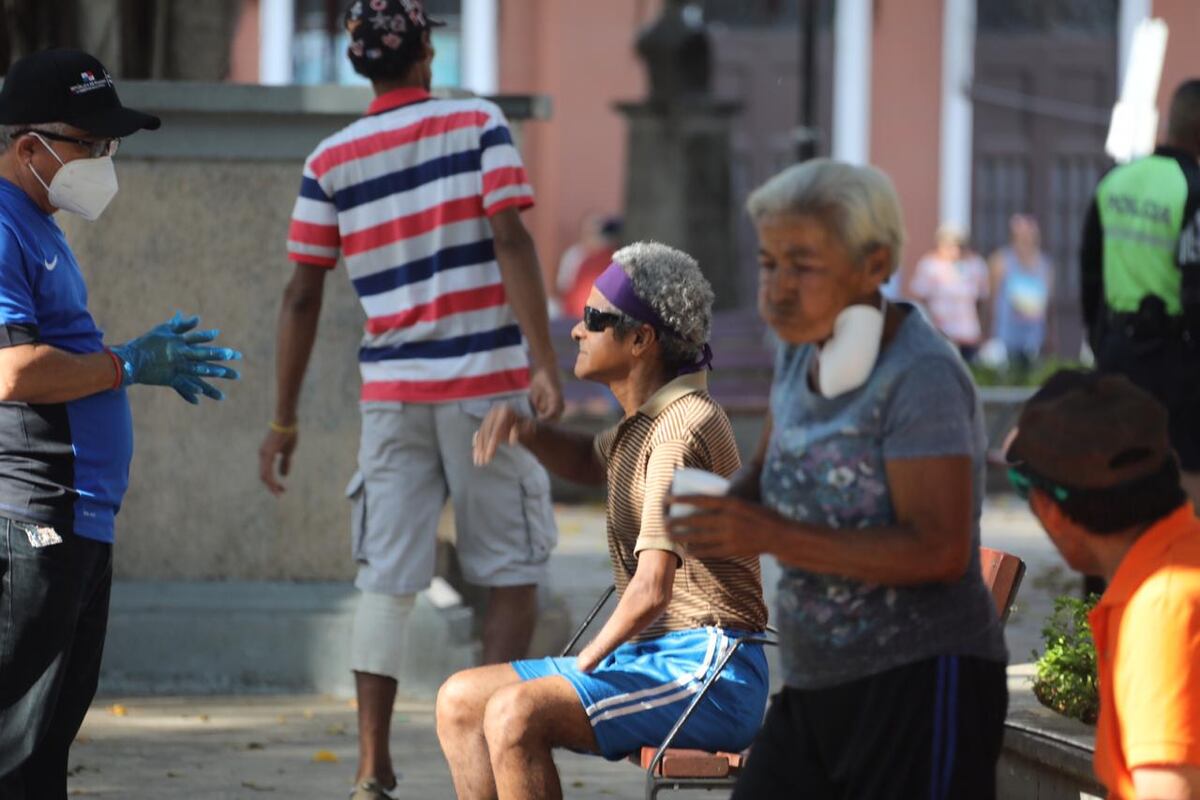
column 421, row 199
column 643, row 334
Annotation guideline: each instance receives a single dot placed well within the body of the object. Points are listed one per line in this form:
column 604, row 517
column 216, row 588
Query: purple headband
column 615, row 285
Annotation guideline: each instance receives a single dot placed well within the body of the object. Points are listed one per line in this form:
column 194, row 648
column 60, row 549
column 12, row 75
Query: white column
column 276, row 31
column 1131, row 15
column 957, row 128
column 1134, row 127
column 480, row 50
column 852, row 81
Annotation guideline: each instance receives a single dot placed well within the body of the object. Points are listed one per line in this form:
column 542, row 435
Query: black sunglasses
column 97, row 148
column 596, row 320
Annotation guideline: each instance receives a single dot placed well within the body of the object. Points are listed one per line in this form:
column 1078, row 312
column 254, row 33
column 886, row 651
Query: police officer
column 66, row 435
column 1141, row 276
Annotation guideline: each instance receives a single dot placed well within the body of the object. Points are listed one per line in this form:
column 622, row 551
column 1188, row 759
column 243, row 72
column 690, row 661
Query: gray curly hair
column 670, row 282
column 858, row 203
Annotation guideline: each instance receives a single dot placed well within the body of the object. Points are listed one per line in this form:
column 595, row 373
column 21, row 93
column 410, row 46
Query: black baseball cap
column 68, row 86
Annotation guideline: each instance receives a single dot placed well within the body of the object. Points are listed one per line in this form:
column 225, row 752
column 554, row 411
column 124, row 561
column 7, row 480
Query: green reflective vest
column 1141, row 206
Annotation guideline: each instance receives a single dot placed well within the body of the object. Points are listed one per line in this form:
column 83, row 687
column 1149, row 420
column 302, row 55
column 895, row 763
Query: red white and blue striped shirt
column 404, row 195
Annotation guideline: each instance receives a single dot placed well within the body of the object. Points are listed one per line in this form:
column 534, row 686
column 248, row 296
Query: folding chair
column 679, row 768
column 1002, row 574
column 669, row 768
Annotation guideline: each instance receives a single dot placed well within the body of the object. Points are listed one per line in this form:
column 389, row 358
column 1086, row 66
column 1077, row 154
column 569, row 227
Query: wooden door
column 1045, row 82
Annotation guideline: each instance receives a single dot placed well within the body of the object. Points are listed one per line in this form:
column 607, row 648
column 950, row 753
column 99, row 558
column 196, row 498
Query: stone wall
column 1045, row 755
column 200, row 225
column 208, row 238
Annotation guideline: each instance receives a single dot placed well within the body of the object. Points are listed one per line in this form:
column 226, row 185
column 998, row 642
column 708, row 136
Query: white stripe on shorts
column 647, row 705
column 682, row 680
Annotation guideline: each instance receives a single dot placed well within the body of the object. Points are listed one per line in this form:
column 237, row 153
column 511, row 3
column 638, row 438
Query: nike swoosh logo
column 51, row 265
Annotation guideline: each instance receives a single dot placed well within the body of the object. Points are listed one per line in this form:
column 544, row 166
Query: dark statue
column 678, row 186
column 677, row 54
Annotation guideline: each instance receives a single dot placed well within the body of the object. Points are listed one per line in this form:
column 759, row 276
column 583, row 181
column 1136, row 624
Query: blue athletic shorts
column 636, row 694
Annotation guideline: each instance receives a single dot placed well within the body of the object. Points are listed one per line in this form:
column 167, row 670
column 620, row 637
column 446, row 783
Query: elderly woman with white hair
column 867, row 488
column 644, row 333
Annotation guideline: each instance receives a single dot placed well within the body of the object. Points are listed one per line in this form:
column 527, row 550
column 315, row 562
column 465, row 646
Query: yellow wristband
column 284, row 429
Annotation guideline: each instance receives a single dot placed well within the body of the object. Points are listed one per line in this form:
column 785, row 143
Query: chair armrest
column 566, row 651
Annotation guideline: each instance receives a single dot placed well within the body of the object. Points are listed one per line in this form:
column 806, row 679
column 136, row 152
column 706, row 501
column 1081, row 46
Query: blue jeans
column 53, row 615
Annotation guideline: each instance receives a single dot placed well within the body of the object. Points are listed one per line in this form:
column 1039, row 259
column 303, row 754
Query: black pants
column 930, row 730
column 1170, row 371
column 53, row 614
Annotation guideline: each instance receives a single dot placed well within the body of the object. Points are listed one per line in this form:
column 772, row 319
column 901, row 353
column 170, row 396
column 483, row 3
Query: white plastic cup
column 695, row 481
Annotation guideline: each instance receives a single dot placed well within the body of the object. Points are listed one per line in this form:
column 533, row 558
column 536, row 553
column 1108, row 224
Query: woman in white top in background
column 951, row 282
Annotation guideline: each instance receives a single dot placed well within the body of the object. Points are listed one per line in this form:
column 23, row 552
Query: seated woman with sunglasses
column 644, row 335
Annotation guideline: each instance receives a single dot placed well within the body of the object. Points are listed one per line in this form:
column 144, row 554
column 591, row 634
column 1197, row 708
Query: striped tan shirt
column 679, row 426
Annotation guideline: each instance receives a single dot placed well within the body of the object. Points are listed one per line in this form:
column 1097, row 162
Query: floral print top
column 825, row 466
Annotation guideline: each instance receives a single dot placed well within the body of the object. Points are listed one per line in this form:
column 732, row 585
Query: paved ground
column 273, row 747
column 304, row 747
column 1008, row 525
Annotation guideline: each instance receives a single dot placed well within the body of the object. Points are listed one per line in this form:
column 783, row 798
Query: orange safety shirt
column 1147, row 633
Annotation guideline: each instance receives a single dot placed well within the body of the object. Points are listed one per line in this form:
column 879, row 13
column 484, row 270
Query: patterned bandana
column 380, row 29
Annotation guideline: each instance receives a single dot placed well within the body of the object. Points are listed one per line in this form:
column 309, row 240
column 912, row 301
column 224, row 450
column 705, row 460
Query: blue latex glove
column 169, row 355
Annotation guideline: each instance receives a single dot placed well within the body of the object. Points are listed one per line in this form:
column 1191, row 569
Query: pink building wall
column 243, row 51
column 581, row 56
column 906, row 102
column 1181, row 62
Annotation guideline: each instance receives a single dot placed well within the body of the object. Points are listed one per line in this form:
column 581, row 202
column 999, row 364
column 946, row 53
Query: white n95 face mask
column 845, row 361
column 84, row 186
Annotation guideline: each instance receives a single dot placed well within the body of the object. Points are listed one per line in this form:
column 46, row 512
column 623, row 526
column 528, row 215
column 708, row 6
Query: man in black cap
column 66, row 435
column 1091, row 453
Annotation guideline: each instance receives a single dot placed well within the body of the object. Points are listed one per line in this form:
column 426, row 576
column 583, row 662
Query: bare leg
column 460, row 705
column 508, row 623
column 376, row 697
column 522, row 724
column 1191, row 485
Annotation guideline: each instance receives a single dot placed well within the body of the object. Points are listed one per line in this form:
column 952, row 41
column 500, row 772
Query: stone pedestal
column 678, row 187
column 1044, row 755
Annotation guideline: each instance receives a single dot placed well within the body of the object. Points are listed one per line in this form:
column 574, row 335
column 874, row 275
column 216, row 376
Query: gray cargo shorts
column 410, row 457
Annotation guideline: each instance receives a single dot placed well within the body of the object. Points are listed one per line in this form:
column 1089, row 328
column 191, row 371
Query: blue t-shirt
column 1021, row 305
column 826, row 466
column 61, row 464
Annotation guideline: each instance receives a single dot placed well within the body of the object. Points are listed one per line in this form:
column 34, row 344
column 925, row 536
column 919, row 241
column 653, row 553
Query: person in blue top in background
column 1022, row 284
column 66, row 433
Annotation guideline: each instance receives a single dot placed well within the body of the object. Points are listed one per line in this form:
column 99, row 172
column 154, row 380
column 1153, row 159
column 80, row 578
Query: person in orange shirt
column 1092, row 455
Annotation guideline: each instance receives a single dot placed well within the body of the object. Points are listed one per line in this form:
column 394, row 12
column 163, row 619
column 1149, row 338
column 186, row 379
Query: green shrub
column 1011, row 376
column 1066, row 671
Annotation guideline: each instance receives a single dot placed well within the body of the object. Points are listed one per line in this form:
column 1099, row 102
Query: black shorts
column 1170, row 371
column 932, row 729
